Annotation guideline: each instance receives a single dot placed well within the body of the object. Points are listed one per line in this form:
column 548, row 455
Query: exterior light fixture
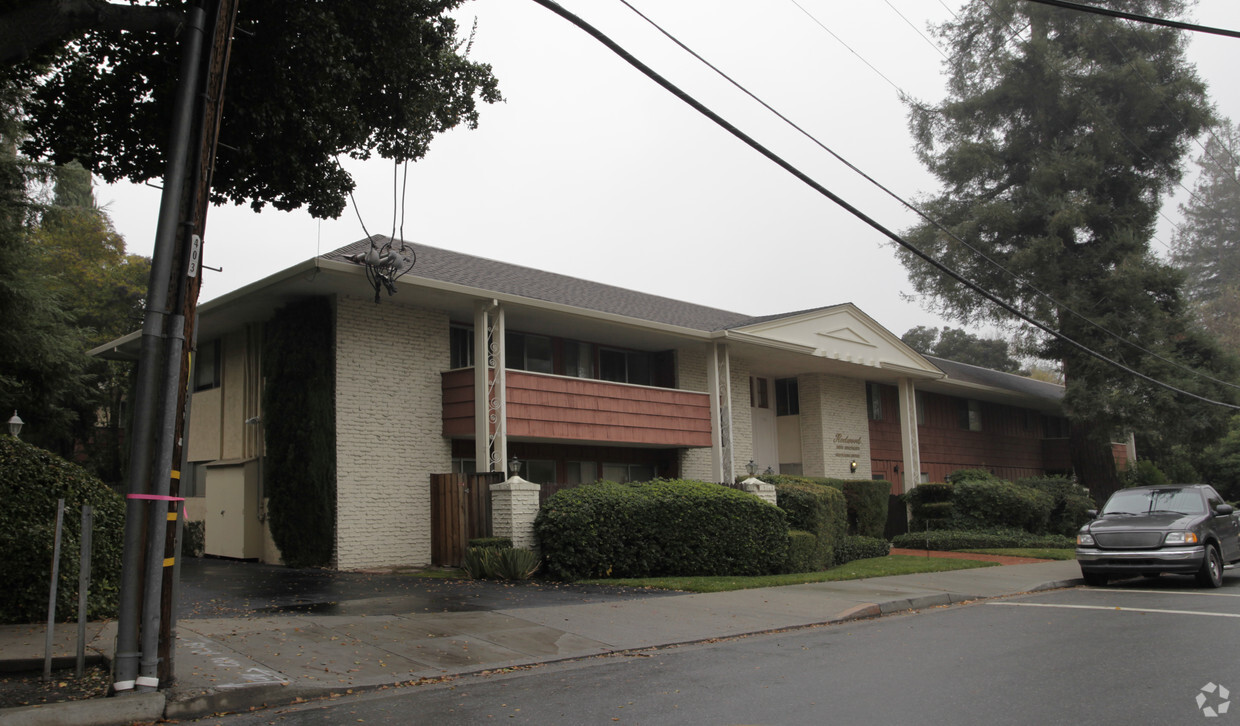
column 852, row 466
column 751, row 467
column 769, row 471
column 15, row 425
column 514, row 465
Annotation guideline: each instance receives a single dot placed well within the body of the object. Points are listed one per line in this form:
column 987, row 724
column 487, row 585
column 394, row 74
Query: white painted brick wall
column 691, row 376
column 514, row 505
column 388, row 430
column 829, row 407
column 742, row 419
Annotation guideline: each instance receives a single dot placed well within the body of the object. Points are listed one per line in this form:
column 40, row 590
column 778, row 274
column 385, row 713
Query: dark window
column 207, row 366
column 578, row 359
column 624, row 366
column 874, row 401
column 461, row 340
column 758, row 395
column 528, row 353
column 787, row 397
column 970, row 415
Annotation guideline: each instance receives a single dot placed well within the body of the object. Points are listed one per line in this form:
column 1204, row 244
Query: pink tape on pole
column 156, row 497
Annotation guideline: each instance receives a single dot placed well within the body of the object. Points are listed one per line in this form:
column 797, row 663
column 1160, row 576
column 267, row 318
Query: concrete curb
column 94, row 712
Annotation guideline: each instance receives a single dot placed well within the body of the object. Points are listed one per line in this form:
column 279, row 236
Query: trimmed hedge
column 982, row 503
column 659, row 528
column 1070, row 502
column 817, row 509
column 31, row 480
column 954, row 539
column 930, row 504
column 861, row 548
column 866, row 500
column 802, row 549
column 496, row 542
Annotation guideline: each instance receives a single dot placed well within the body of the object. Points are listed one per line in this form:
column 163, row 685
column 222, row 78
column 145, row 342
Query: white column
column 911, row 471
column 490, row 395
column 514, row 505
column 760, row 489
column 719, row 382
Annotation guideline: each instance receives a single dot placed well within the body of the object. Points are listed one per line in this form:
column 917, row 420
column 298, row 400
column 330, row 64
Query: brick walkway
column 1001, row 559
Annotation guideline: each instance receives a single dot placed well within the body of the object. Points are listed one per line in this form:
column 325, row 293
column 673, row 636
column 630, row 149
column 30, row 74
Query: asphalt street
column 1142, row 651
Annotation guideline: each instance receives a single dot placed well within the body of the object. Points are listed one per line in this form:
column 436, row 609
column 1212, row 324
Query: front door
column 765, row 433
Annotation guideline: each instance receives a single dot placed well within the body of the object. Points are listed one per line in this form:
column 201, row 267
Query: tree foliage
column 962, row 346
column 66, row 285
column 1058, row 136
column 299, row 425
column 308, row 82
column 1207, row 245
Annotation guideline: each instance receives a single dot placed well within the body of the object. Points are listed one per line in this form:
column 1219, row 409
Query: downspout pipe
column 154, row 331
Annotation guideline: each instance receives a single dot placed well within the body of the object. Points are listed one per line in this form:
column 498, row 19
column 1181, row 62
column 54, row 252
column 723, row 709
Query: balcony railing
column 580, row 410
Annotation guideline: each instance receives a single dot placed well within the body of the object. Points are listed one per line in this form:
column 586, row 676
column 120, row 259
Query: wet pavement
column 215, row 588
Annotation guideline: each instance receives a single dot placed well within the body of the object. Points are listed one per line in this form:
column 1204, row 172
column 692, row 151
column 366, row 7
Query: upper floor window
column 578, row 359
column 461, row 342
column 874, row 401
column 525, row 352
column 624, row 366
column 787, row 397
column 207, row 366
column 971, row 415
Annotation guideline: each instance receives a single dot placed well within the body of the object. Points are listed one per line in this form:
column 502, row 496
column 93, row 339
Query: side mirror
column 1223, row 510
column 1093, row 513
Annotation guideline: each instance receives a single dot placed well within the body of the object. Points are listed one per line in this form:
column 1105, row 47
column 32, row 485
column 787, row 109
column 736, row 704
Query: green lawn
column 1040, row 553
column 873, row 567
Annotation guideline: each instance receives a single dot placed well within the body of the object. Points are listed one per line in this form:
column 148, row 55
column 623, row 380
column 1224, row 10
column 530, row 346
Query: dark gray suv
column 1185, row 529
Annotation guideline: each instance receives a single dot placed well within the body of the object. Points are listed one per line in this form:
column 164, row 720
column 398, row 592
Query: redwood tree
column 1058, row 137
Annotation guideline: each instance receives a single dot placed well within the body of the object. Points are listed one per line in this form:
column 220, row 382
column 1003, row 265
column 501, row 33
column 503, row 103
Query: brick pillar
column 760, row 489
column 514, row 504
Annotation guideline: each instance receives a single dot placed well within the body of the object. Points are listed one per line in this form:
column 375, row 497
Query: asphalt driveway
column 216, row 588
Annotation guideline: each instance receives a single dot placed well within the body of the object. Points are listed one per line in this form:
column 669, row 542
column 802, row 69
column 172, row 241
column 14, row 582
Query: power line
column 1044, row 295
column 804, row 178
column 916, row 29
column 846, row 45
column 1139, row 18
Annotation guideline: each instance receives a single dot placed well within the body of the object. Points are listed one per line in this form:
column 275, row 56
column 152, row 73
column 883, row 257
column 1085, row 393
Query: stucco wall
column 388, row 440
column 834, row 426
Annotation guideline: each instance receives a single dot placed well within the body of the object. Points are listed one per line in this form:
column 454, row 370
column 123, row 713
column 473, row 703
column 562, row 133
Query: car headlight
column 1085, row 539
column 1180, row 538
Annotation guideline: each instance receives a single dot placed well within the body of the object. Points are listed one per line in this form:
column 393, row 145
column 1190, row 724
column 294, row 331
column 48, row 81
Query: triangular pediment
column 847, row 335
column 843, row 333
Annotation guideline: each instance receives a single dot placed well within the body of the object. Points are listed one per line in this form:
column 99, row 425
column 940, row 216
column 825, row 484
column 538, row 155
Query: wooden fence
column 460, row 511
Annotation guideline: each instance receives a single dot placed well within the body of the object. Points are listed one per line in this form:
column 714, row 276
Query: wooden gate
column 460, row 511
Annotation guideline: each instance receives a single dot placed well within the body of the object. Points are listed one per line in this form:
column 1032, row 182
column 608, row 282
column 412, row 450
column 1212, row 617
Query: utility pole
column 159, row 393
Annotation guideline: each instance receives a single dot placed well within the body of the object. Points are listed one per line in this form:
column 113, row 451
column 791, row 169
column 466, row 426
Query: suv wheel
column 1211, row 572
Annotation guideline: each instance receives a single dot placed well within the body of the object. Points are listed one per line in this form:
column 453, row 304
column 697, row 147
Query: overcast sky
column 589, row 169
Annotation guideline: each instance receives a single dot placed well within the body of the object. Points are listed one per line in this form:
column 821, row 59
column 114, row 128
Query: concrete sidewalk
column 229, row 664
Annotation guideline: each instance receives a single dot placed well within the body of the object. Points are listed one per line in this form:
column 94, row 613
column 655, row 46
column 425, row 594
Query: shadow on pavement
column 215, row 588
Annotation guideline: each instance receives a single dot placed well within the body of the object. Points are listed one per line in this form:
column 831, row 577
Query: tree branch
column 32, row 26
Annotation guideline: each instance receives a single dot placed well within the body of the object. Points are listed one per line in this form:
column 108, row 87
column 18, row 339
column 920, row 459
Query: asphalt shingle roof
column 443, row 265
column 996, row 379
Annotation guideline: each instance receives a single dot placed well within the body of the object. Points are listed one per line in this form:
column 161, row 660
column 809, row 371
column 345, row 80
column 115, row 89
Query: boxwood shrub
column 861, row 548
column 31, row 480
column 802, row 548
column 952, row 539
column 817, row 509
column 659, row 528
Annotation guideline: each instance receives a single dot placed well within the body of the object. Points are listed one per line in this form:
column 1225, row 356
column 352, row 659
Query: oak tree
column 308, row 83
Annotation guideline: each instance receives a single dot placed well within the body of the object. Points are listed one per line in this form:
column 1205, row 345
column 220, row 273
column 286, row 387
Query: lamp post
column 514, row 465
column 15, row 425
column 751, row 467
